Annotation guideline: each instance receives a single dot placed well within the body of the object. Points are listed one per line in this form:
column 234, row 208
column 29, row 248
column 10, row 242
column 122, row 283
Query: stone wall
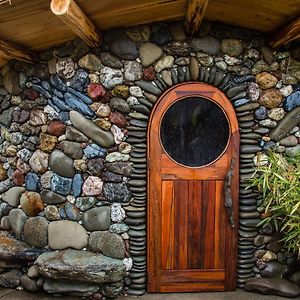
column 73, row 150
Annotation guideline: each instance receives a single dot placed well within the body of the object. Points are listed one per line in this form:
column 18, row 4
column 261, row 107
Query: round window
column 194, row 131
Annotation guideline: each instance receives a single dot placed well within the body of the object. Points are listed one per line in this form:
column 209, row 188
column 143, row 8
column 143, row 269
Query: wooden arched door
column 193, row 167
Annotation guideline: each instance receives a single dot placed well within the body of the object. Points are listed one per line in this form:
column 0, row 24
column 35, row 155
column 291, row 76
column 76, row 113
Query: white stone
column 132, row 70
column 231, row 61
column 117, row 213
column 132, row 100
column 286, row 90
column 111, row 77
column 39, row 161
column 46, row 179
column 136, row 91
column 268, row 123
column 276, row 114
column 127, row 263
column 51, row 112
column 260, row 160
column 117, row 133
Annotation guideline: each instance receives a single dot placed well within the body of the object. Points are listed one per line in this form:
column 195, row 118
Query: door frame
column 183, row 90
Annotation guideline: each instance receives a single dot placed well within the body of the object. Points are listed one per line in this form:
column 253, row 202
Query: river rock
column 125, row 48
column 11, row 82
column 90, row 62
column 6, row 116
column 289, row 141
column 111, row 77
column 110, row 60
column 92, row 186
column 97, row 218
column 51, row 213
column 36, row 232
column 116, row 192
column 77, row 265
column 66, row 234
column 61, row 185
column 123, row 168
column 12, row 196
column 29, row 284
column 101, row 137
column 276, row 113
column 232, row 47
column 132, row 71
column 61, row 164
column 31, row 203
column 149, row 54
column 266, row 80
column 50, row 197
column 37, row 118
column 72, row 134
column 47, row 142
column 65, row 68
column 273, row 269
column 74, row 288
column 116, row 156
column 207, row 44
column 71, row 149
column 160, row 34
column 272, row 286
column 10, row 279
column 109, row 244
column 96, row 166
column 117, row 213
column 39, row 161
column 17, row 219
column 118, row 119
column 292, row 151
column 292, row 101
column 286, row 125
column 270, row 98
column 165, row 62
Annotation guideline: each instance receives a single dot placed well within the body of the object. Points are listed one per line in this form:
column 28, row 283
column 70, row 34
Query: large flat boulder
column 12, row 249
column 80, row 265
column 272, row 286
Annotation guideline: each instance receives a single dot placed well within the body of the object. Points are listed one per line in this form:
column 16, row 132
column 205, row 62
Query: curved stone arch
column 235, row 90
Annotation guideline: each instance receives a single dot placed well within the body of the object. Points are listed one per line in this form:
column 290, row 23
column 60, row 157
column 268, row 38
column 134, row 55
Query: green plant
column 279, row 184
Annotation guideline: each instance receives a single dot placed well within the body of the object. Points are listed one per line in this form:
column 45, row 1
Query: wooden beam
column 195, row 12
column 72, row 15
column 286, row 35
column 9, row 50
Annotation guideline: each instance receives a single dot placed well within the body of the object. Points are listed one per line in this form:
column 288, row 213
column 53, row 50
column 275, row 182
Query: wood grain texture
column 194, row 15
column 189, row 235
column 72, row 15
column 33, row 25
column 12, row 51
column 286, row 35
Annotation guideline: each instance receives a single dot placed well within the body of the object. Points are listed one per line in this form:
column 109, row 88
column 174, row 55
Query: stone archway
column 235, row 90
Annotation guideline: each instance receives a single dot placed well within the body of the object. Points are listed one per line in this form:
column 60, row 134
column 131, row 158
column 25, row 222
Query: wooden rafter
column 72, row 15
column 9, row 50
column 288, row 34
column 195, row 12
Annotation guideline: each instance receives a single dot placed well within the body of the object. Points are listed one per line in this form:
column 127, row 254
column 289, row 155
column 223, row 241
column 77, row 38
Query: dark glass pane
column 194, row 131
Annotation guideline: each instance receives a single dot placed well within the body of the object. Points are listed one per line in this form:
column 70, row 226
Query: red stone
column 30, row 94
column 18, row 178
column 95, row 91
column 106, row 98
column 56, row 128
column 149, row 74
column 21, row 116
column 118, row 119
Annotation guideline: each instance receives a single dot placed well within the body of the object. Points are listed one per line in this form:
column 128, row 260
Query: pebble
column 94, row 151
column 32, row 182
column 165, row 62
column 51, row 213
column 92, row 186
column 124, row 48
column 232, row 47
column 47, row 142
column 116, row 156
column 36, row 232
column 110, row 77
column 149, row 54
column 12, row 196
column 31, row 203
column 266, row 80
column 87, row 127
column 17, row 219
column 207, row 44
column 71, row 149
column 90, row 62
column 270, row 98
column 52, row 198
column 132, row 71
column 110, row 60
column 61, row 185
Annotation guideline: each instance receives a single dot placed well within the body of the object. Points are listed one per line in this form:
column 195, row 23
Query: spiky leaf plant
column 279, row 184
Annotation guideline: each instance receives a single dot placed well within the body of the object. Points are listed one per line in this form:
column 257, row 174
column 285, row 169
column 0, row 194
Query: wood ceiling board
column 263, row 15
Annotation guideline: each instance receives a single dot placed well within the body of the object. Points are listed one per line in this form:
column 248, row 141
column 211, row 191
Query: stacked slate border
column 73, row 152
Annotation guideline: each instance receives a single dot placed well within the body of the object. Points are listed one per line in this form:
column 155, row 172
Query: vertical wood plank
column 181, row 195
column 168, row 216
column 194, row 225
column 208, row 217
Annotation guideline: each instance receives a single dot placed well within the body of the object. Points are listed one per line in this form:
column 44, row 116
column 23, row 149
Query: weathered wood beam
column 288, row 34
column 72, row 15
column 9, row 50
column 195, row 12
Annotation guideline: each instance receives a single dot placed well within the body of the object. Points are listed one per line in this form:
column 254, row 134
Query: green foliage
column 279, row 184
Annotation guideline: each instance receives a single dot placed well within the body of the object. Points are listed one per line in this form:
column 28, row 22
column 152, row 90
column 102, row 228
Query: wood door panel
column 191, row 245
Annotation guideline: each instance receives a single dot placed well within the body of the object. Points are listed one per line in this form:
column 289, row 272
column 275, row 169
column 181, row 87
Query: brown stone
column 3, row 174
column 56, row 128
column 47, row 142
column 121, row 91
column 30, row 94
column 31, row 203
column 149, row 74
column 103, row 123
column 265, row 80
column 118, row 119
column 270, row 98
column 18, row 178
